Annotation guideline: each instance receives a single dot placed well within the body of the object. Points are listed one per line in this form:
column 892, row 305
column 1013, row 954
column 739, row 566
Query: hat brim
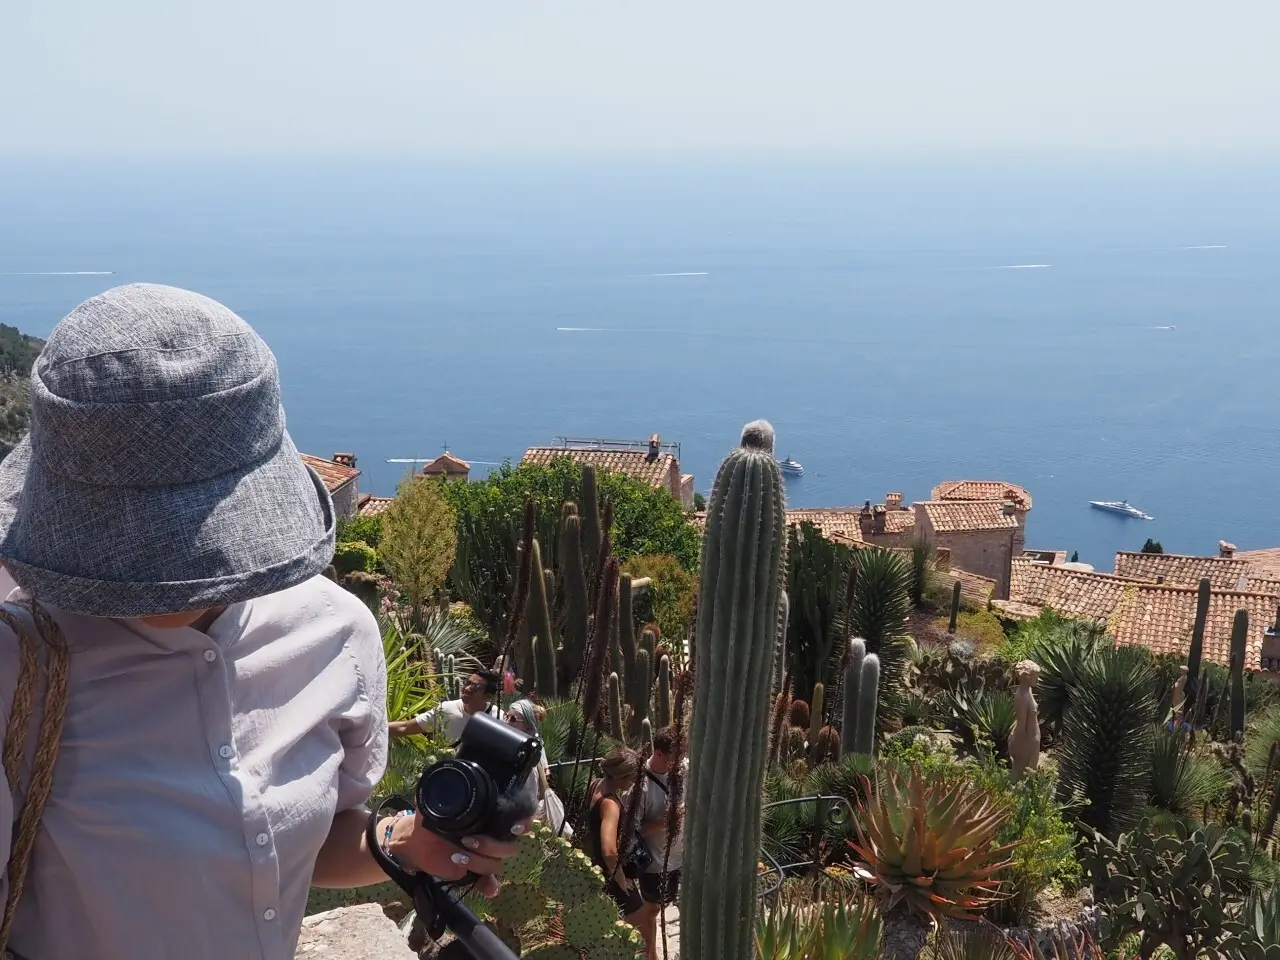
column 139, row 552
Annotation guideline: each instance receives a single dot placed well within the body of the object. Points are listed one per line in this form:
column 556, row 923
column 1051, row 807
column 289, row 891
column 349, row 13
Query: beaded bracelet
column 391, row 825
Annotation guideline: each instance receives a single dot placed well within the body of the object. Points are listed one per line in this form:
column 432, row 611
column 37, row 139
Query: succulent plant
column 848, row 930
column 798, row 714
column 640, row 689
column 1239, row 642
column 864, row 739
column 929, row 845
column 615, row 708
column 955, row 608
column 549, row 878
column 664, row 692
column 856, row 653
column 1196, row 653
column 740, row 593
column 577, row 605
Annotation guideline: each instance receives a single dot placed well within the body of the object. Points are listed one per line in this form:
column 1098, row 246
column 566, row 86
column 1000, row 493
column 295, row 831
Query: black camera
column 481, row 790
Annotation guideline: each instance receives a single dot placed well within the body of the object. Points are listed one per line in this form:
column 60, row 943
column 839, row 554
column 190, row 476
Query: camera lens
column 447, row 793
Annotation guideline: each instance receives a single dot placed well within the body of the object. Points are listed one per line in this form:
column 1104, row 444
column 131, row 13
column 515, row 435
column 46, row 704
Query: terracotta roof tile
column 833, row 523
column 1072, row 593
column 1161, row 618
column 1017, row 611
column 634, row 463
column 372, row 506
column 1181, row 571
column 1265, row 563
column 980, row 490
column 446, row 464
column 948, row 516
column 335, row 475
column 975, row 588
column 899, row 521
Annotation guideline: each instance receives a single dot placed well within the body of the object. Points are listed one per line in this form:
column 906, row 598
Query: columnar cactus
column 537, row 618
column 626, row 622
column 646, row 734
column 649, row 640
column 739, row 597
column 590, row 511
column 817, row 703
column 1239, row 641
column 615, row 708
column 780, row 655
column 640, row 689
column 1197, row 643
column 664, row 692
column 955, row 607
column 544, row 667
column 868, row 696
column 577, row 602
column 849, row 693
column 437, row 659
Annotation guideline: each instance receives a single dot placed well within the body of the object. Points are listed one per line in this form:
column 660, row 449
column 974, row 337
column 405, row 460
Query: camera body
column 482, row 789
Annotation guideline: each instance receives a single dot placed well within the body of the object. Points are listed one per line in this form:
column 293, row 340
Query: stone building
column 448, row 467
column 654, row 463
column 983, row 535
column 340, row 476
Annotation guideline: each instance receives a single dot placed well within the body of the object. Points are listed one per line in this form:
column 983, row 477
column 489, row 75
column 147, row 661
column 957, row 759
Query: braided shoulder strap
column 15, row 738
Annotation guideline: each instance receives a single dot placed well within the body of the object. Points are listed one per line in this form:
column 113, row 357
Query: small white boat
column 1120, row 506
column 791, row 468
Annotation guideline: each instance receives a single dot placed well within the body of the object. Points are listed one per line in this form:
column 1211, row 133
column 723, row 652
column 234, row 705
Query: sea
column 1092, row 327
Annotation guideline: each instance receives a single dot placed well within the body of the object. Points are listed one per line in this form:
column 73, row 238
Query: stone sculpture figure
column 1179, row 695
column 1024, row 742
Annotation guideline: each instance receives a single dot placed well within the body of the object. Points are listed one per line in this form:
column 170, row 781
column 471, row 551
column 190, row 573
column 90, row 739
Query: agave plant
column 1182, row 781
column 972, row 941
column 987, row 716
column 929, row 845
column 849, row 930
column 1063, row 655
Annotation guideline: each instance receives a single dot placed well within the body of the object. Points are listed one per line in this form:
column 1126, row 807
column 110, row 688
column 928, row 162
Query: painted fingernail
column 461, row 859
column 471, row 843
column 518, row 829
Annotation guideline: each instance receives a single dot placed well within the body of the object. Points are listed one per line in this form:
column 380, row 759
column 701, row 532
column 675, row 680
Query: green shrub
column 368, row 529
column 353, row 556
column 983, row 628
column 669, row 602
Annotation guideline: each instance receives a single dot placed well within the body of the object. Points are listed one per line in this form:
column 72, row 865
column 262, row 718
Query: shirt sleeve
column 426, row 719
column 364, row 741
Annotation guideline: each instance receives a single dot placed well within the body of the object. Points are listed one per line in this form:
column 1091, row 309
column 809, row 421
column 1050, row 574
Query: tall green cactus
column 646, row 734
column 817, row 703
column 615, row 708
column 868, row 696
column 1239, row 642
column 640, row 689
column 849, row 694
column 437, row 659
column 955, row 607
column 1196, row 652
column 544, row 667
column 648, row 641
column 577, row 618
column 626, row 622
column 780, row 654
column 664, row 692
column 537, row 617
column 590, row 511
column 739, row 597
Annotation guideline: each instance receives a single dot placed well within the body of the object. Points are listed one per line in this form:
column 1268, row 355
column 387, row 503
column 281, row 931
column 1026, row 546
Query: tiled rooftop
column 981, row 490
column 1161, row 618
column 1073, row 593
column 899, row 521
column 1224, row 573
column 974, row 588
column 837, row 523
column 446, row 464
column 335, row 475
column 1265, row 563
column 372, row 506
column 634, row 463
column 951, row 516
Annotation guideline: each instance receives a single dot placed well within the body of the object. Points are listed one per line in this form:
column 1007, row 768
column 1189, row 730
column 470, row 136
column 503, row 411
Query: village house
column 653, row 462
column 340, row 477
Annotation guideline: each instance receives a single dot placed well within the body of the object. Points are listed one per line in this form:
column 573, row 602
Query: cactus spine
column 664, row 692
column 816, row 704
column 577, row 602
column 641, row 688
column 868, row 694
column 955, row 607
column 1197, row 643
column 1239, row 640
column 739, row 597
column 615, row 708
column 849, row 713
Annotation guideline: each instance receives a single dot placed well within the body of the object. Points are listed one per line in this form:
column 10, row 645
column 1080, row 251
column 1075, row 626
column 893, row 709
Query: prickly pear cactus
column 552, row 905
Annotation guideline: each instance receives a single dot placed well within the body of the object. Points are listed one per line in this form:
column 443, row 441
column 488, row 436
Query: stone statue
column 1024, row 742
column 1179, row 691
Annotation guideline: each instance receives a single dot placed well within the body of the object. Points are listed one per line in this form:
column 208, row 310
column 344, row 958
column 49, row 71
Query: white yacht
column 1120, row 506
column 791, row 468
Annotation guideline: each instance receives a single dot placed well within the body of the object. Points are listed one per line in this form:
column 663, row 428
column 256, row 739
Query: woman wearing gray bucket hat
column 194, row 716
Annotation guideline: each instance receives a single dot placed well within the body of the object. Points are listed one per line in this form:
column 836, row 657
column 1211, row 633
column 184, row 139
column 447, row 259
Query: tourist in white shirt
column 660, row 883
column 449, row 719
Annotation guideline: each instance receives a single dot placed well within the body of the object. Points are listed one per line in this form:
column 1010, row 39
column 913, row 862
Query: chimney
column 877, row 520
column 1226, row 550
column 345, row 459
column 1009, row 508
column 655, row 447
column 893, row 501
column 864, row 520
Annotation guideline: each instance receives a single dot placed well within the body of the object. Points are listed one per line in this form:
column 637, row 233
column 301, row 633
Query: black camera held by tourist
column 483, row 789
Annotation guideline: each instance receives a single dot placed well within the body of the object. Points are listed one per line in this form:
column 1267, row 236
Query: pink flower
column 509, row 682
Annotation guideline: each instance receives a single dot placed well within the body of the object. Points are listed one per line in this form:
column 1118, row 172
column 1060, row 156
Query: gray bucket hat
column 158, row 476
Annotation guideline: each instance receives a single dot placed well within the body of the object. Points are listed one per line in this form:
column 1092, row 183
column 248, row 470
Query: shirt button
column 268, row 914
column 262, row 839
column 210, row 656
column 225, row 752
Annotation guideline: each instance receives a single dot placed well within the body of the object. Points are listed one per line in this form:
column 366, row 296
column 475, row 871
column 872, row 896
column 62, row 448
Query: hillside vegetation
column 18, row 352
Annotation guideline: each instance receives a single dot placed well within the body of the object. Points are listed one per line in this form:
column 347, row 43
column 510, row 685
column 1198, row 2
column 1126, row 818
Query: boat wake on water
column 59, row 273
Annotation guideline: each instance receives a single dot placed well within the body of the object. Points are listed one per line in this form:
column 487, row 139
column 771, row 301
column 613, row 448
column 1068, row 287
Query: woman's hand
column 417, row 848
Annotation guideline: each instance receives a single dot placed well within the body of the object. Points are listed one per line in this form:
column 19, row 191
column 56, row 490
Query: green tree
column 670, row 598
column 1075, row 556
column 419, row 539
column 1152, row 546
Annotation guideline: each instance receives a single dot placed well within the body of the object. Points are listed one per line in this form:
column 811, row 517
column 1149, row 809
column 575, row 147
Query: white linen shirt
column 198, row 777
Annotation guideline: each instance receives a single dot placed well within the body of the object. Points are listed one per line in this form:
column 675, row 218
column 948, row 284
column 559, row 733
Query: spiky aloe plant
column 878, row 603
column 850, row 930
column 929, row 845
column 1104, row 756
column 738, row 608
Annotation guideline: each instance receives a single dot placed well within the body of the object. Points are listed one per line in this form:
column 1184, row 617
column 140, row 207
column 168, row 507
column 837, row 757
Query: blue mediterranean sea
column 1088, row 327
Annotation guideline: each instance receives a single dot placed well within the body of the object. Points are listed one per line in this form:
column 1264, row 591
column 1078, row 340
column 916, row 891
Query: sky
column 498, row 77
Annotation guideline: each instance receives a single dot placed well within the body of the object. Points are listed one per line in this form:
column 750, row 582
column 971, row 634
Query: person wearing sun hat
column 221, row 703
